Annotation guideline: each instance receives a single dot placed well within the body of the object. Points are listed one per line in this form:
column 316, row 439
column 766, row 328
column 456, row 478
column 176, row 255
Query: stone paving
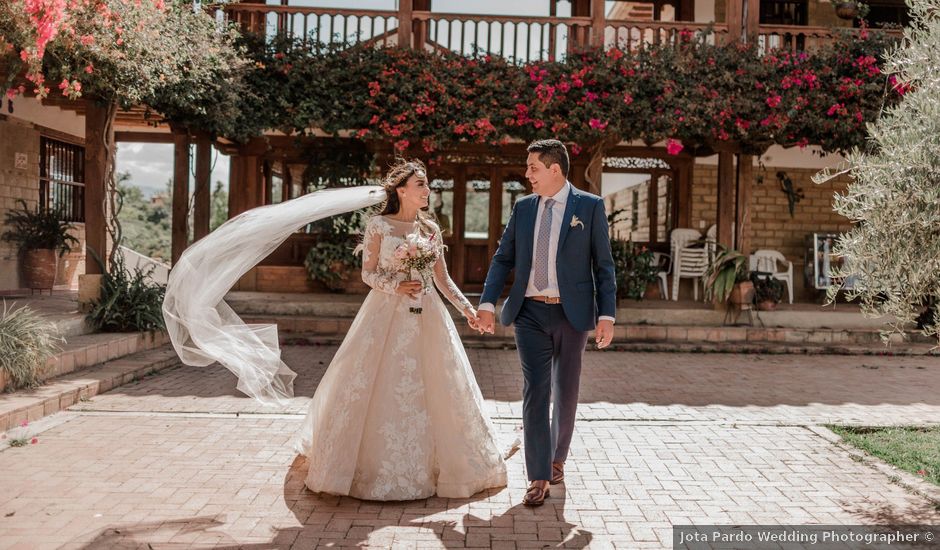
column 181, row 460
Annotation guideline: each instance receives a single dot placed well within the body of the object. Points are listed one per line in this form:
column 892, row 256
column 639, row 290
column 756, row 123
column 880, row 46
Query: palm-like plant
column 728, row 268
column 40, row 229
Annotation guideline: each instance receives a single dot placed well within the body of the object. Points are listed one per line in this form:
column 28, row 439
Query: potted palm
column 727, row 279
column 768, row 291
column 39, row 234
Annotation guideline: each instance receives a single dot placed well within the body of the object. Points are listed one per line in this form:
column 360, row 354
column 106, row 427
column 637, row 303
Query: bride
column 398, row 414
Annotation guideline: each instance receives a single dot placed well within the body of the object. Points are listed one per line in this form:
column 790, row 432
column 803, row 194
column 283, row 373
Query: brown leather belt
column 545, row 299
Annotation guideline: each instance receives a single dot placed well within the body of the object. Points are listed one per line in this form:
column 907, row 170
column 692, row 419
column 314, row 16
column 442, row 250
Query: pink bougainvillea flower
column 597, row 124
column 773, row 101
column 575, row 149
column 674, row 146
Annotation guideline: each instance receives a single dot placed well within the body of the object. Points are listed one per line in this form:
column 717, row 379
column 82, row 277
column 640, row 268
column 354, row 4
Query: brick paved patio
column 180, row 460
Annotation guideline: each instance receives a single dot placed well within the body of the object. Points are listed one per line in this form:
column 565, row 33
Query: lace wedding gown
column 398, row 414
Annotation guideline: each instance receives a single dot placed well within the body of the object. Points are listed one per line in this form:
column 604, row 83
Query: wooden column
column 96, row 169
column 683, row 209
column 598, row 23
column 751, row 19
column 203, row 192
column 179, row 233
column 726, row 202
column 251, row 179
column 652, row 206
column 734, row 15
column 405, row 23
column 235, row 186
column 420, row 27
column 745, row 183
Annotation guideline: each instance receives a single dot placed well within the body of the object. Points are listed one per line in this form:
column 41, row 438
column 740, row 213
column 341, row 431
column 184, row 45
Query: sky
column 151, row 165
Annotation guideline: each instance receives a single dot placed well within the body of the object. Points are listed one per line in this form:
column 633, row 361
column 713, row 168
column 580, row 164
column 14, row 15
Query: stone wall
column 771, row 224
column 19, row 180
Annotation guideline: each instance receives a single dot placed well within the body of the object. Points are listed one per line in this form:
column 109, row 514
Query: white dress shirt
column 558, row 214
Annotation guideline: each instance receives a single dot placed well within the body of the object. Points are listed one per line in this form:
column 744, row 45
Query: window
column 783, row 12
column 62, row 178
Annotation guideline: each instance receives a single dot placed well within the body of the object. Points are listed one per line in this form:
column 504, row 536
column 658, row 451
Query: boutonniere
column 575, row 222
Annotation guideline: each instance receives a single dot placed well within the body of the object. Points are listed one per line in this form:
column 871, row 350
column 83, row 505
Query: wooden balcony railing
column 518, row 38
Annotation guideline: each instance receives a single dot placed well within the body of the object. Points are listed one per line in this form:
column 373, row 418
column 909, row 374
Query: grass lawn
column 913, row 449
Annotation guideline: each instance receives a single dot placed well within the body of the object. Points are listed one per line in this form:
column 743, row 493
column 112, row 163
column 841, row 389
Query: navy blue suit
column 551, row 337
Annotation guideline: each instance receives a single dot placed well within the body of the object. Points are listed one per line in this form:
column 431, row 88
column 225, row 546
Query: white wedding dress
column 398, row 414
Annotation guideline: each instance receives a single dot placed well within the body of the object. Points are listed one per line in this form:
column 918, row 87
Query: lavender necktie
column 541, row 247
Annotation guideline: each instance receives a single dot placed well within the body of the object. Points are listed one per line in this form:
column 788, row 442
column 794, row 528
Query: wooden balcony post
column 405, row 23
column 745, row 183
column 96, row 170
column 726, row 202
column 203, row 192
column 751, row 20
column 598, row 23
column 179, row 232
column 734, row 17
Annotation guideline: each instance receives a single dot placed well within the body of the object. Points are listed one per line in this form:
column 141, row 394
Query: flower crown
column 414, row 169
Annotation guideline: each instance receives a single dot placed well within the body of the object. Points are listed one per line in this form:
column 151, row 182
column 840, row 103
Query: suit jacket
column 584, row 265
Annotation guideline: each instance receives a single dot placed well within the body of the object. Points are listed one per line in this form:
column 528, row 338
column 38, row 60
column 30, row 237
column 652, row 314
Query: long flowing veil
column 204, row 329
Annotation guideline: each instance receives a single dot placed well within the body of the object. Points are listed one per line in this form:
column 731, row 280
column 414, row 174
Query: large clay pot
column 847, row 10
column 742, row 293
column 39, row 267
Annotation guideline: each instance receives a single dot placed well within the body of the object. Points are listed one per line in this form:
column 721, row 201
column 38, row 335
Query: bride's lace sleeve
column 447, row 286
column 372, row 274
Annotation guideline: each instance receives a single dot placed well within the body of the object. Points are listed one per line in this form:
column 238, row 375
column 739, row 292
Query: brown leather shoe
column 558, row 473
column 536, row 494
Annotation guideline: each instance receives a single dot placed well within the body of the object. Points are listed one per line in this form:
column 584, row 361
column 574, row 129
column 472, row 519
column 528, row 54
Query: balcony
column 518, row 38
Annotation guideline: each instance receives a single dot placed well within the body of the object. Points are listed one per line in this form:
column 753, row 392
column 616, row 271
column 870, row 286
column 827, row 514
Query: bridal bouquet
column 416, row 256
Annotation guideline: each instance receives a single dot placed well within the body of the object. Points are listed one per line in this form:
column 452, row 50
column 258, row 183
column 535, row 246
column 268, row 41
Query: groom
column 557, row 241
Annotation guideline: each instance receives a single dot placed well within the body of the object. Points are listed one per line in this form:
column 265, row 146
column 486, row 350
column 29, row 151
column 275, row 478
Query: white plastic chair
column 767, row 261
column 664, row 263
column 687, row 262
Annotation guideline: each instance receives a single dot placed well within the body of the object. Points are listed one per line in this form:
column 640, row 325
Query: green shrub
column 129, row 302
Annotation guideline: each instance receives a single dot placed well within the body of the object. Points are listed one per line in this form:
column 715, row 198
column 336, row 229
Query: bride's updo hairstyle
column 397, row 176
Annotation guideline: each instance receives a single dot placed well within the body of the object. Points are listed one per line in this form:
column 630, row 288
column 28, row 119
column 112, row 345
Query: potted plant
column 39, row 234
column 768, row 291
column 850, row 9
column 636, row 271
column 332, row 261
column 727, row 279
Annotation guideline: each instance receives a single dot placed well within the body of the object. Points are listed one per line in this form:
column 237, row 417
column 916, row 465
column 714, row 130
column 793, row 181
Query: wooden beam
column 745, row 184
column 203, row 194
column 726, row 192
column 179, row 233
column 405, row 23
column 143, row 137
column 96, row 169
column 598, row 23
